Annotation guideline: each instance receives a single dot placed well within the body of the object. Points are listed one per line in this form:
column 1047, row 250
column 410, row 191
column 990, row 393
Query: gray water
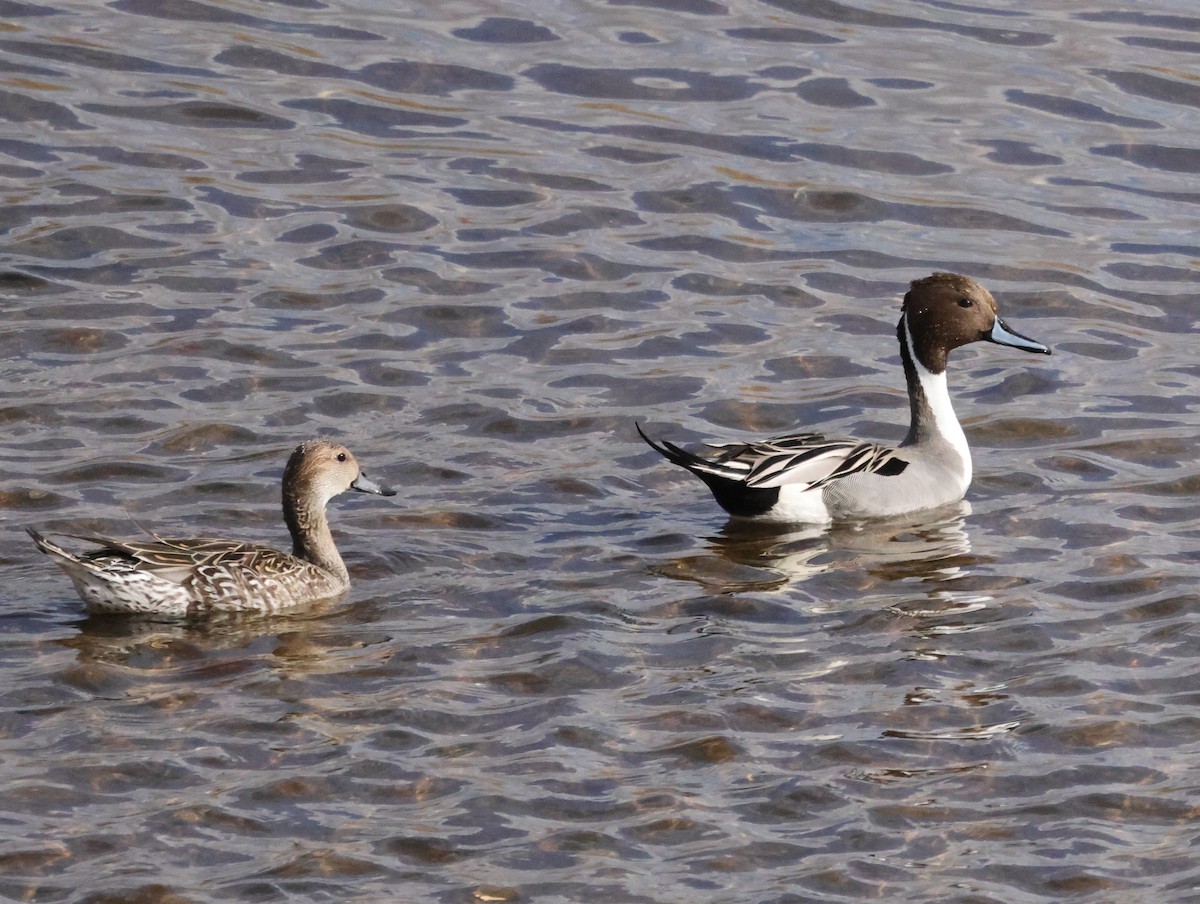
column 475, row 242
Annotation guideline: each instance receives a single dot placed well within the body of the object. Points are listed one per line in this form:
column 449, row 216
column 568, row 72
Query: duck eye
column 341, row 456
column 965, row 302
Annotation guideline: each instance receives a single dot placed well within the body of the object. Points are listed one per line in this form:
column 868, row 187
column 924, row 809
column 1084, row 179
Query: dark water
column 476, row 241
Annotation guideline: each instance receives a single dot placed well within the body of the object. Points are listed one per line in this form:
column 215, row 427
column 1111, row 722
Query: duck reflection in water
column 763, row 557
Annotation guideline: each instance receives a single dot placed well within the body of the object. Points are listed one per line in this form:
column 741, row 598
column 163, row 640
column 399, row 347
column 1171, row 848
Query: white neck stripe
column 937, row 395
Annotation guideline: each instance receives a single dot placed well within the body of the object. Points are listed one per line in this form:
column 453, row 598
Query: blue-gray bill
column 1002, row 335
column 364, row 484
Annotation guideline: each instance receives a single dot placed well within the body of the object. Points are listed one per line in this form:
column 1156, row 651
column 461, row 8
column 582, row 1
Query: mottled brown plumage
column 175, row 577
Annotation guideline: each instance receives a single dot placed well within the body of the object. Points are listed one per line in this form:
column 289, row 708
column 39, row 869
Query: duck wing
column 179, row 560
column 806, row 458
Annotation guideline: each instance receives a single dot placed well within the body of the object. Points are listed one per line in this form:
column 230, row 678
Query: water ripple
column 477, row 244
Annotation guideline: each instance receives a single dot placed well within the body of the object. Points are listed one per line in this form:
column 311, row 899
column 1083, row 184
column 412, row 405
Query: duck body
column 810, row 478
column 179, row 577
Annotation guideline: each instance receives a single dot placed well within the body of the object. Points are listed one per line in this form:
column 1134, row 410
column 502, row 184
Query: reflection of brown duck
column 177, row 577
column 807, row 478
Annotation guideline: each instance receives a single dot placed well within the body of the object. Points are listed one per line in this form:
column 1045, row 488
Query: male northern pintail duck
column 180, row 577
column 805, row 477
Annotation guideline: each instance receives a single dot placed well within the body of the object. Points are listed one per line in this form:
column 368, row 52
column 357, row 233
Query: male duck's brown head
column 946, row 310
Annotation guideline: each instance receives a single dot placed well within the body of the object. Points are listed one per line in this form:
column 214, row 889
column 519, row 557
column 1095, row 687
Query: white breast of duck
column 939, row 314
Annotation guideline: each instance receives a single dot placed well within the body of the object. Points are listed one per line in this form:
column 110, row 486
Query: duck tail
column 728, row 485
column 697, row 464
column 40, row 541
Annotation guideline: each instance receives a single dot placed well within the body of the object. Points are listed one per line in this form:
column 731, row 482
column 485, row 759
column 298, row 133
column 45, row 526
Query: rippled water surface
column 476, row 241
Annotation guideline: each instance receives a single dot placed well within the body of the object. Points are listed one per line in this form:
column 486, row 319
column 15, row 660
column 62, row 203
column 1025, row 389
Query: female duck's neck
column 312, row 540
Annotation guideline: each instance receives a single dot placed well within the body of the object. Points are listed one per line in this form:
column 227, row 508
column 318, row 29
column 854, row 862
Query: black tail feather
column 731, row 493
column 673, row 453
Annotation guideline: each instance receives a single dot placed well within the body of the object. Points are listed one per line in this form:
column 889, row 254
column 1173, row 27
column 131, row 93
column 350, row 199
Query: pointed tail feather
column 728, row 485
column 691, row 461
column 49, row 547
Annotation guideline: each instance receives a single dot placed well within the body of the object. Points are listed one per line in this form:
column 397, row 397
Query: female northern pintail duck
column 180, row 577
column 805, row 477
